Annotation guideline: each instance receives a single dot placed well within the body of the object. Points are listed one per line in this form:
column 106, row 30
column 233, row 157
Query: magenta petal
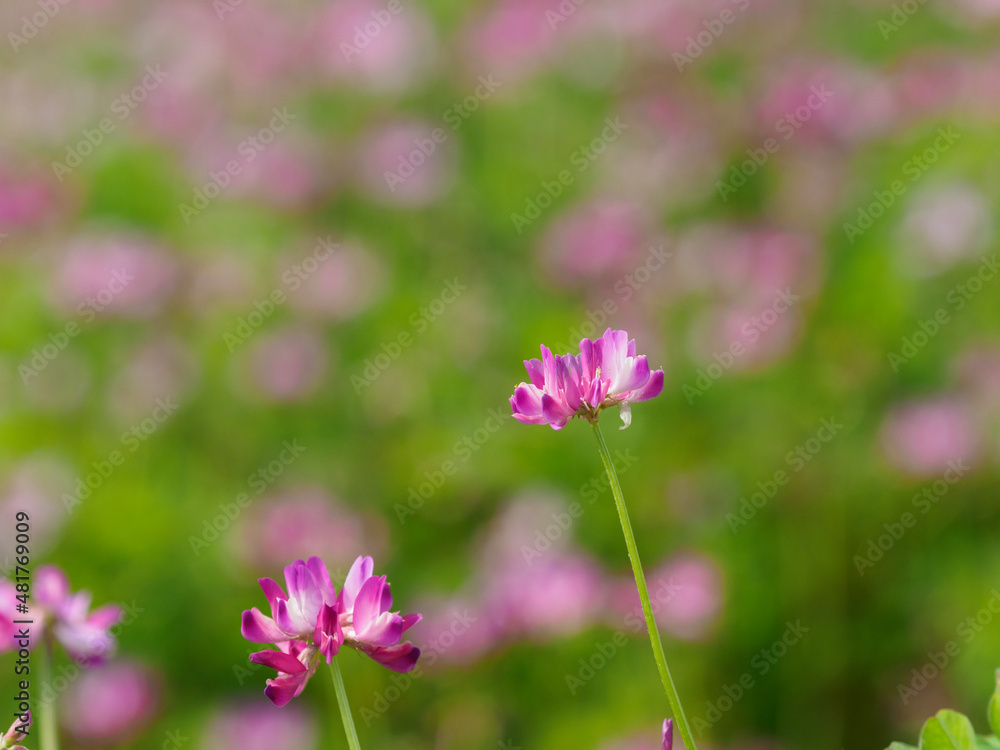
column 535, row 374
column 633, row 374
column 401, row 658
column 318, row 568
column 104, row 617
column 278, row 660
column 652, row 388
column 367, row 604
column 410, row 620
column 281, row 690
column 360, row 572
column 260, row 629
column 272, row 591
column 50, row 587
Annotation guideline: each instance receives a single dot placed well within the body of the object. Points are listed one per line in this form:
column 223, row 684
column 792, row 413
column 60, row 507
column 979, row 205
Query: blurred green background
column 459, row 158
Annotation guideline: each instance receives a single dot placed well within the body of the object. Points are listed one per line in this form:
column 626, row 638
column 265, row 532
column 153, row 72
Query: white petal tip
column 626, row 413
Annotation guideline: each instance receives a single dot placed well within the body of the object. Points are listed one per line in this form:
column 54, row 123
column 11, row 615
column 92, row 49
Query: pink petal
column 260, row 629
column 401, row 658
column 360, row 572
column 279, row 660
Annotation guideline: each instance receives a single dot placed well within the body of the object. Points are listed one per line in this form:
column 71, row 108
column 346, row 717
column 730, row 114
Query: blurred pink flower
column 85, row 634
column 254, row 726
column 924, row 438
column 17, row 732
column 513, row 38
column 559, row 594
column 24, row 201
column 110, row 705
column 944, row 224
column 744, row 337
column 117, row 275
column 349, row 281
column 283, row 174
column 977, row 370
column 158, row 369
column 366, row 44
column 288, row 365
column 598, row 239
column 686, row 596
column 407, row 163
column 307, row 520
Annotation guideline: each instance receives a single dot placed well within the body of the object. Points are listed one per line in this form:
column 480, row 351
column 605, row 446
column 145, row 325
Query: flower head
column 17, row 732
column 85, row 634
column 311, row 622
column 668, row 735
column 606, row 373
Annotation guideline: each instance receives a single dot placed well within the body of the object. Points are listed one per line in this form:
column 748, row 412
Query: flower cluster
column 605, row 373
column 16, row 733
column 85, row 634
column 312, row 622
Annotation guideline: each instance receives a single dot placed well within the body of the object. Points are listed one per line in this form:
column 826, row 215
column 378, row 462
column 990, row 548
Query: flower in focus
column 605, row 373
column 17, row 732
column 84, row 634
column 110, row 705
column 312, row 621
column 668, row 735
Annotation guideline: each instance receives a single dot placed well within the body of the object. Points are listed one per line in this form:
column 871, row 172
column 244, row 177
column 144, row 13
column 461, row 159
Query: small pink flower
column 84, row 634
column 605, row 373
column 312, row 621
column 668, row 735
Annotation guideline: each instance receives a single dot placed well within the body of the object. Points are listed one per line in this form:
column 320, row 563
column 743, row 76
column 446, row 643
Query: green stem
column 47, row 715
column 345, row 709
column 640, row 582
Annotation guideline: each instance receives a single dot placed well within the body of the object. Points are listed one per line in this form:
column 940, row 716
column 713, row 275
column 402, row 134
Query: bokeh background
column 418, row 194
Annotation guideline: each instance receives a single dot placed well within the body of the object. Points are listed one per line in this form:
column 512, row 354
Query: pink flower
column 312, row 621
column 17, row 732
column 251, row 726
column 84, row 634
column 668, row 735
column 605, row 373
column 110, row 704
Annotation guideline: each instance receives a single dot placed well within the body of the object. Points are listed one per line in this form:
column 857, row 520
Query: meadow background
column 268, row 271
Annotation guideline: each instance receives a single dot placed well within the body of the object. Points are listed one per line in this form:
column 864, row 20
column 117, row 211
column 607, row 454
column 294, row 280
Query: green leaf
column 901, row 746
column 948, row 730
column 987, row 743
column 993, row 710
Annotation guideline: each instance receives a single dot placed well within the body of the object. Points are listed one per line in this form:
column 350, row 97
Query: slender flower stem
column 345, row 709
column 47, row 715
column 640, row 582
